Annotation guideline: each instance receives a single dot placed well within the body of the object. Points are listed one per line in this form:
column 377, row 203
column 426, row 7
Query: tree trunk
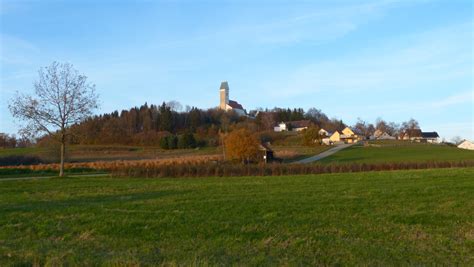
column 63, row 147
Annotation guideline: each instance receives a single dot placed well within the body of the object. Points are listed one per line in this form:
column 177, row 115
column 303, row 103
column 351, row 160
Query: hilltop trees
column 7, row 141
column 410, row 124
column 63, row 97
column 148, row 124
column 364, row 128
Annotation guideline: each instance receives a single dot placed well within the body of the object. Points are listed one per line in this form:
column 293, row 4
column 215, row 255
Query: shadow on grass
column 90, row 201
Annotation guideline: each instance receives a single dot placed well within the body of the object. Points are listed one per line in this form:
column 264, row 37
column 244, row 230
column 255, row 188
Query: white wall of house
column 433, row 140
column 299, row 129
column 466, row 145
column 326, row 141
column 280, row 128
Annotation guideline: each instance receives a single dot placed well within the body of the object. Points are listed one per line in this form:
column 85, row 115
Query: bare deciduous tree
column 456, row 140
column 174, row 105
column 63, row 97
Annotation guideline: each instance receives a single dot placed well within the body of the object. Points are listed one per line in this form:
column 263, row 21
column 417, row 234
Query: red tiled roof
column 235, row 104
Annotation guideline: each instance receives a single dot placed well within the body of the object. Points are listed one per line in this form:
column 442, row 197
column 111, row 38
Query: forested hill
column 148, row 124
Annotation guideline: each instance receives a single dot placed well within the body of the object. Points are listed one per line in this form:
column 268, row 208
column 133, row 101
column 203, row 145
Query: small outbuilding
column 266, row 153
column 294, row 126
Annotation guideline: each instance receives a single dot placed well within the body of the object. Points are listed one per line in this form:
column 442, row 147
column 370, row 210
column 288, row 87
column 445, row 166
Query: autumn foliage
column 241, row 145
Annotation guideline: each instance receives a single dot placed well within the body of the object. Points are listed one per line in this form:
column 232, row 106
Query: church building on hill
column 226, row 104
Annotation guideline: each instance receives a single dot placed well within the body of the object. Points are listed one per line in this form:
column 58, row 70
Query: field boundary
column 235, row 170
column 49, row 177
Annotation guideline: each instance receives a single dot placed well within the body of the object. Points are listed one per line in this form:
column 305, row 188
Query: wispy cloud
column 401, row 64
column 460, row 98
column 413, row 106
column 317, row 26
column 303, row 24
column 15, row 50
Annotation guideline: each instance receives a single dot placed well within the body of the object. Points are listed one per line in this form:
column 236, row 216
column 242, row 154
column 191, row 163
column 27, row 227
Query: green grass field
column 399, row 151
column 378, row 218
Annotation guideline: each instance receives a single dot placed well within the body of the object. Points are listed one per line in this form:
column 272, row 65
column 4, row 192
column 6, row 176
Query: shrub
column 164, row 142
column 186, row 140
column 16, row 160
column 311, row 136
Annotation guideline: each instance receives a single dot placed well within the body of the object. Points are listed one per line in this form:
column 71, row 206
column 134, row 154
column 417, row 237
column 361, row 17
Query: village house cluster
column 347, row 135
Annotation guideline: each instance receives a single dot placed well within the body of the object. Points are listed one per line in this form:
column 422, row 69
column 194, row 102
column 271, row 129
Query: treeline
column 392, row 128
column 11, row 141
column 170, row 128
column 153, row 125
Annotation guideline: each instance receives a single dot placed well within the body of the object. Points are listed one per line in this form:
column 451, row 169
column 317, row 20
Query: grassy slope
column 400, row 218
column 297, row 152
column 399, row 152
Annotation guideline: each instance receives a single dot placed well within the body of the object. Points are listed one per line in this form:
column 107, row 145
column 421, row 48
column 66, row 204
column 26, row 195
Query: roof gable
column 347, row 131
column 429, row 135
column 235, row 104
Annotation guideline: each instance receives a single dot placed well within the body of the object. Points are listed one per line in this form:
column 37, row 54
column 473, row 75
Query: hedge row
column 228, row 169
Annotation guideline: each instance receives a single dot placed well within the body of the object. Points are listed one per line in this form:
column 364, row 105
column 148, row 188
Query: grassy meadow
column 398, row 151
column 418, row 217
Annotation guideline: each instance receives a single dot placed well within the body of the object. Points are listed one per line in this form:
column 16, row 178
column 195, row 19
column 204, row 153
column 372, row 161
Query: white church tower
column 227, row 104
column 224, row 95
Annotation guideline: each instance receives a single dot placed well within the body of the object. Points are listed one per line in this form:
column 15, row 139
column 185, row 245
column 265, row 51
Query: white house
column 430, row 137
column 281, row 127
column 294, row 126
column 466, row 144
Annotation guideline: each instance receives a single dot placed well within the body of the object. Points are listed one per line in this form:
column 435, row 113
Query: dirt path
column 324, row 154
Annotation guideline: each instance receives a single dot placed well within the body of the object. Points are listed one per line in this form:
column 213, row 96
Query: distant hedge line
column 17, row 160
column 228, row 169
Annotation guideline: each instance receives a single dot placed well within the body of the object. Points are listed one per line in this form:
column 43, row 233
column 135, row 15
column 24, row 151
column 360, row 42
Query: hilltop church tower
column 227, row 104
column 224, row 95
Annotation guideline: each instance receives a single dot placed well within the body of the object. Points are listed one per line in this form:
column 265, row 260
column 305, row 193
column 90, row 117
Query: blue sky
column 367, row 59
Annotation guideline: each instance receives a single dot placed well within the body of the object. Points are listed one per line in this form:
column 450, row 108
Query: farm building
column 466, row 144
column 266, row 152
column 430, row 137
column 411, row 134
column 294, row 126
column 381, row 135
column 418, row 136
